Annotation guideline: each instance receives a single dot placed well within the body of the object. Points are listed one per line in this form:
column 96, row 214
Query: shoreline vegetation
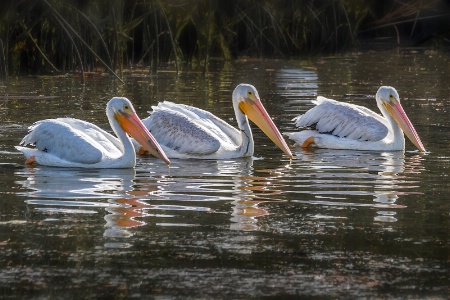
column 59, row 36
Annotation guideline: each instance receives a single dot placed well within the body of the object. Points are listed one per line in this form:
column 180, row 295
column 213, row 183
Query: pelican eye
column 127, row 108
column 250, row 94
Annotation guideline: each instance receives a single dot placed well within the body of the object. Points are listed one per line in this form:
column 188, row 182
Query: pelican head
column 121, row 110
column 246, row 99
column 388, row 100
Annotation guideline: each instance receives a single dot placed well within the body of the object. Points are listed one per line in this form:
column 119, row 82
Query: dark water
column 332, row 224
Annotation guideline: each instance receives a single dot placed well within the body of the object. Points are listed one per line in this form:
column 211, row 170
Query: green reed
column 58, row 36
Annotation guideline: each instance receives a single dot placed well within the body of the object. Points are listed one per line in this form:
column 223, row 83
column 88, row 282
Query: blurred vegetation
column 40, row 36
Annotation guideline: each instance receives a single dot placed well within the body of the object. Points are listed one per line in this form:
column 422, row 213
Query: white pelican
column 336, row 125
column 187, row 132
column 68, row 142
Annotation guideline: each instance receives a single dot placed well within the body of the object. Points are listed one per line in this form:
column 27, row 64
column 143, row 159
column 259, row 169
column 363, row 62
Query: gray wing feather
column 59, row 138
column 343, row 120
column 104, row 138
column 179, row 132
column 219, row 127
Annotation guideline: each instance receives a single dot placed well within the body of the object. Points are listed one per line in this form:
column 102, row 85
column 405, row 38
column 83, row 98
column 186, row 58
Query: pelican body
column 187, row 132
column 68, row 142
column 337, row 125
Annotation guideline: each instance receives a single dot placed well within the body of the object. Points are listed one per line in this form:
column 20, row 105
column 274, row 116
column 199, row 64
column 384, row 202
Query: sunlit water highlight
column 328, row 223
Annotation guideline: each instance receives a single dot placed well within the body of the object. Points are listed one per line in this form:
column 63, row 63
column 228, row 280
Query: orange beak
column 256, row 112
column 131, row 123
column 399, row 115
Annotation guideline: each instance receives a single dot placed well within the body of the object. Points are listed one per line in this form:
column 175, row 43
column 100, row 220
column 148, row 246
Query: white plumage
column 68, row 142
column 336, row 125
column 184, row 131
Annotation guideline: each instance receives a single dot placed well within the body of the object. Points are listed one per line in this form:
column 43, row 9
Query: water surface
column 328, row 223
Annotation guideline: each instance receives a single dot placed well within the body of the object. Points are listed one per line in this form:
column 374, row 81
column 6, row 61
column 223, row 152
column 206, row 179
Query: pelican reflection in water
column 64, row 193
column 343, row 178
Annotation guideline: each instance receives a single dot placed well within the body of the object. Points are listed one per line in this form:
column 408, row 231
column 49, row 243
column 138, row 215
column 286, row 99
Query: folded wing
column 71, row 139
column 344, row 120
column 183, row 129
